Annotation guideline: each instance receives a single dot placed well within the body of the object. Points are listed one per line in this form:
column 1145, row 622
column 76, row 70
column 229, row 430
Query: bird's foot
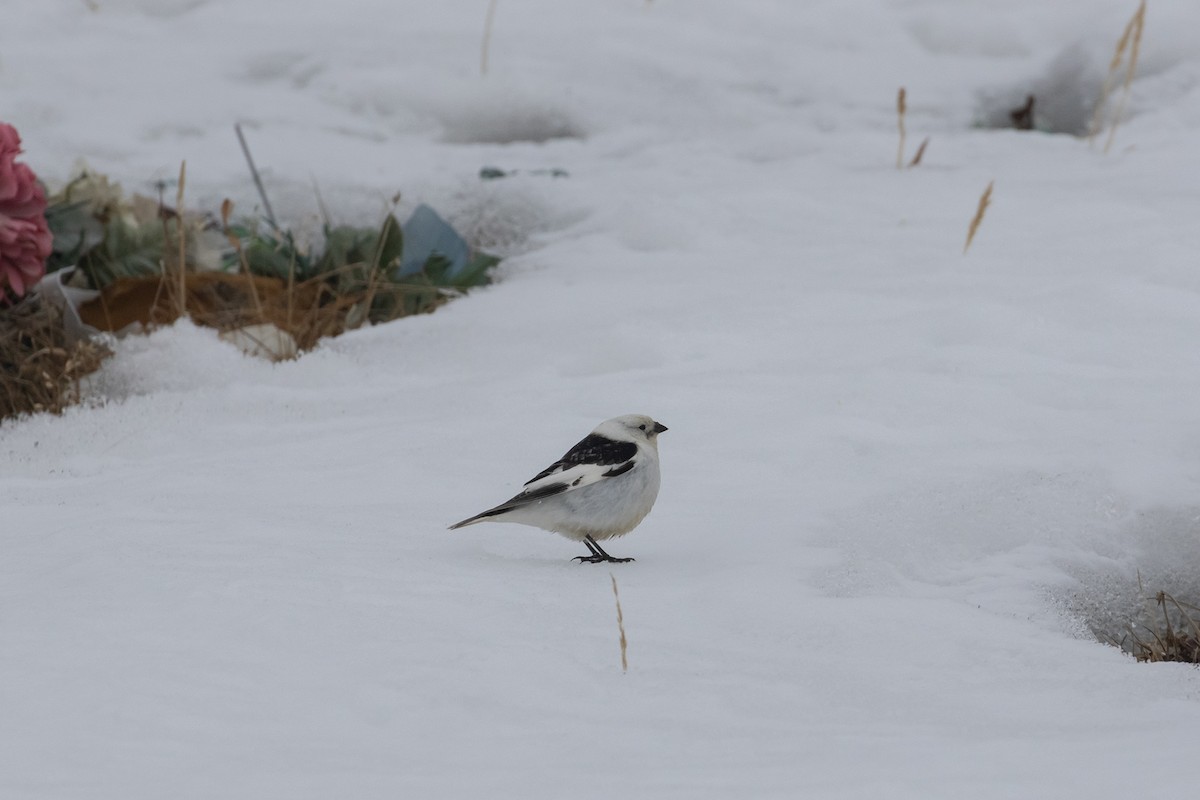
column 595, row 558
column 598, row 555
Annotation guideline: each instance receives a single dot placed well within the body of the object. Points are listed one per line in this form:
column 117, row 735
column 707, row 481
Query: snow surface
column 900, row 488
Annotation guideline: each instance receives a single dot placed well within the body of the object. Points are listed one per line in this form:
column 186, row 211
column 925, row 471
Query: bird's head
column 632, row 428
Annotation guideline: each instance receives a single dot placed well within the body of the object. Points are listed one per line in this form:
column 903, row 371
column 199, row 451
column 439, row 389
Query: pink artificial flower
column 25, row 238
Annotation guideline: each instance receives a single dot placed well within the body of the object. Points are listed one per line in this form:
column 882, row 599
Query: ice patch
column 1021, row 525
column 1156, row 549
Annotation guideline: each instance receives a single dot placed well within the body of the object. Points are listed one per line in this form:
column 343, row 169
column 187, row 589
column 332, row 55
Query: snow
column 900, row 484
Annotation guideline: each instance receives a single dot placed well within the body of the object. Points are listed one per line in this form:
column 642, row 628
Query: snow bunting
column 603, row 487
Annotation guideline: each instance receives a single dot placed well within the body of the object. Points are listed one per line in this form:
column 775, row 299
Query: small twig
column 262, row 193
column 984, row 200
column 620, row 624
column 901, row 108
column 487, row 37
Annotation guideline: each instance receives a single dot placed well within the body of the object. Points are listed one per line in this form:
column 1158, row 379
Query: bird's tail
column 483, row 516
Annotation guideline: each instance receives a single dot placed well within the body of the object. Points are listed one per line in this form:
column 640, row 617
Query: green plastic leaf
column 127, row 251
column 75, row 230
column 476, row 271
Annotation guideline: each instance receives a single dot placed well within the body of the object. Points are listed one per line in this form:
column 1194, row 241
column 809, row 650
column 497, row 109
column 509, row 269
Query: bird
column 601, row 488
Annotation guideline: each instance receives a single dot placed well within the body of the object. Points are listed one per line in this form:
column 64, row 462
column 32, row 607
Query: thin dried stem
column 984, row 200
column 236, row 241
column 1136, row 25
column 1131, row 34
column 487, row 37
column 181, row 301
column 620, row 624
column 901, row 109
column 291, row 289
column 377, row 269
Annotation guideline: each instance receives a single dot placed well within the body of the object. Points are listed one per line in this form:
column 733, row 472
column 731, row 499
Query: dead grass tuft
column 41, row 368
column 306, row 310
column 1174, row 637
column 248, row 305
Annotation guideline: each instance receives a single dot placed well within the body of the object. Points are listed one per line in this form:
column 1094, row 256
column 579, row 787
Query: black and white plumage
column 601, row 488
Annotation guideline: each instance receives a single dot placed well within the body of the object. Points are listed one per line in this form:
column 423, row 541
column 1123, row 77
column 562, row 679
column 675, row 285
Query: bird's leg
column 594, row 558
column 598, row 555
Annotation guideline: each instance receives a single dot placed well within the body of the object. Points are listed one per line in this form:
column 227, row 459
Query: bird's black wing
column 593, row 449
column 594, row 459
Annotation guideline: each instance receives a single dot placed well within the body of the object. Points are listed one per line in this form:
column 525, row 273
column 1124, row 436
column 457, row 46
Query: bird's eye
column 641, row 427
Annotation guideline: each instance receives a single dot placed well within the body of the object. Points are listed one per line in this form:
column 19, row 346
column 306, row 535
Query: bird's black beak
column 658, row 428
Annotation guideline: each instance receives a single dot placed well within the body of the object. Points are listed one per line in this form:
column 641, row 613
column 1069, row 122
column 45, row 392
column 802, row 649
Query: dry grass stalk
column 41, row 369
column 236, row 241
column 620, row 624
column 181, row 297
column 984, row 200
column 1175, row 640
column 376, row 277
column 1131, row 39
column 916, row 159
column 1139, row 23
column 901, row 110
column 291, row 292
column 487, row 37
